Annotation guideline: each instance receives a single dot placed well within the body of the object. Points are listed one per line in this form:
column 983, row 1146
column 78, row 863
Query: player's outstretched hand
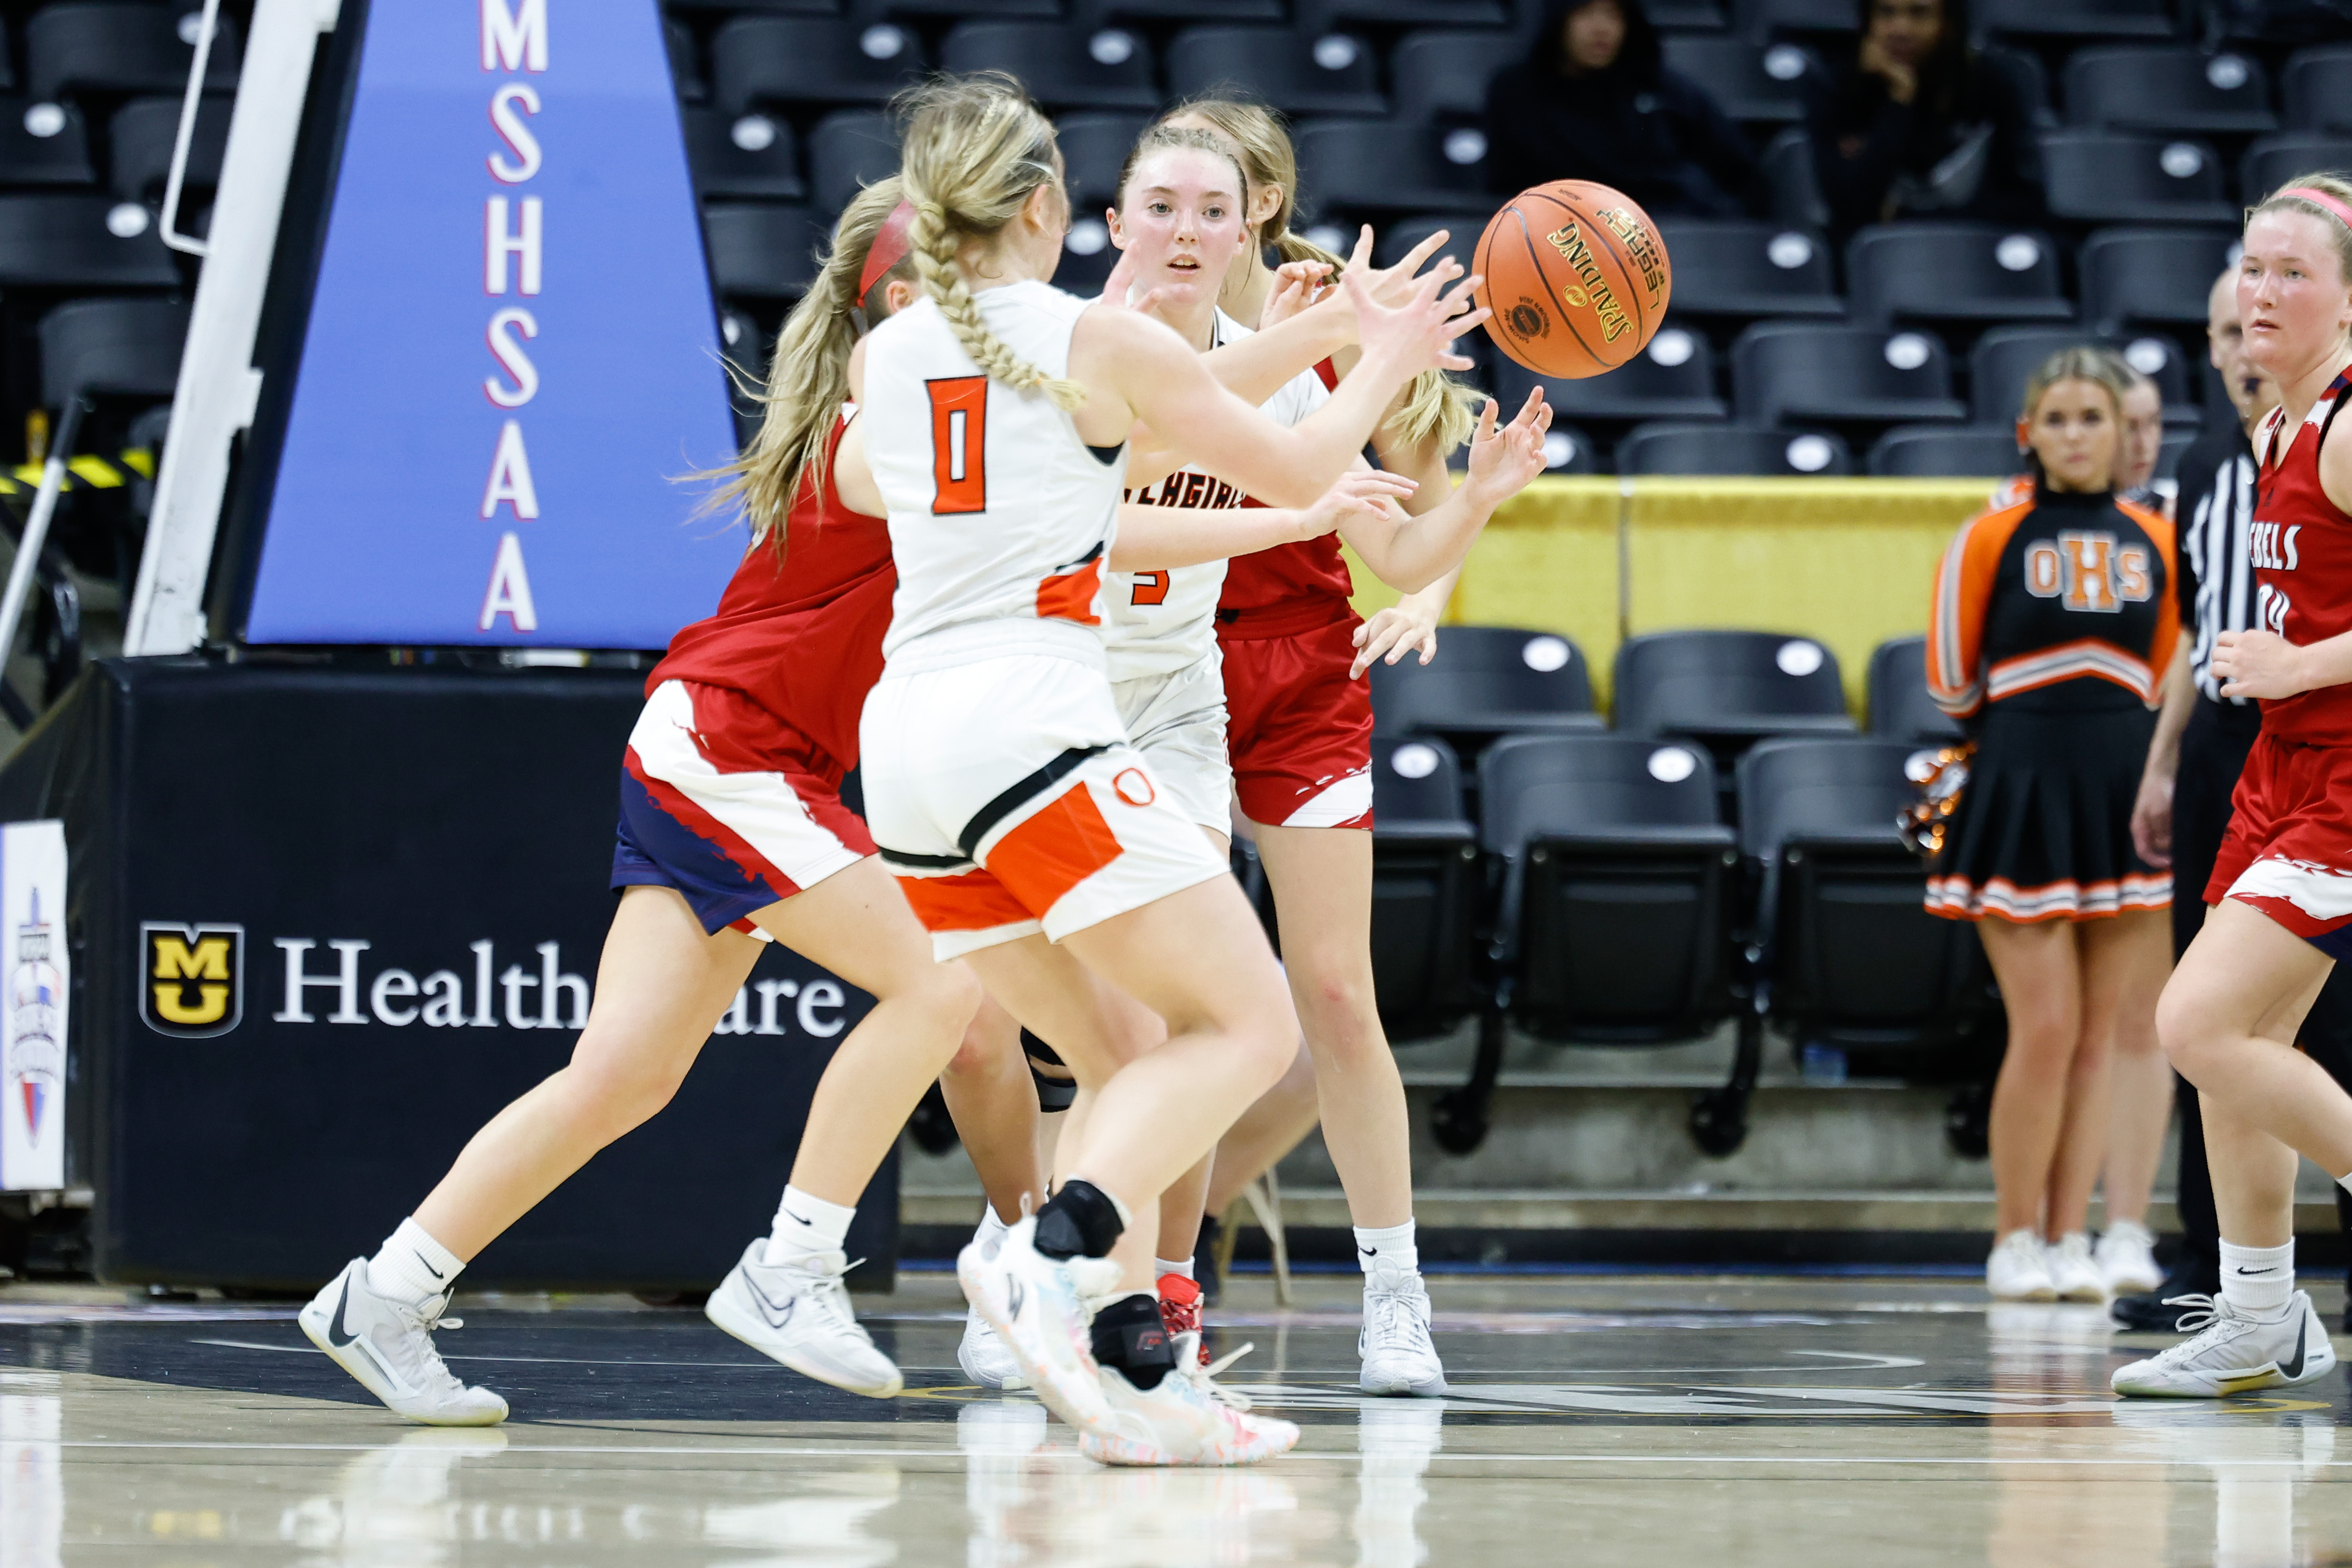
column 1121, row 280
column 1405, row 627
column 1419, row 334
column 1505, row 459
column 2259, row 664
column 1297, row 285
column 1360, row 493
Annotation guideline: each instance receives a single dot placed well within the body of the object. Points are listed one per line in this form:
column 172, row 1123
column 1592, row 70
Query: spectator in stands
column 1595, row 102
column 1921, row 125
column 2143, row 441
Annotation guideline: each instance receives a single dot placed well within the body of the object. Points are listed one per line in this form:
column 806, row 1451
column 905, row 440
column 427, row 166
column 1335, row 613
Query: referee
column 2193, row 762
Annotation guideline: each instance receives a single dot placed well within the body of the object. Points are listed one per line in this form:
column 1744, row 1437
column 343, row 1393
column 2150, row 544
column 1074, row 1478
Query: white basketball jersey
column 1160, row 622
column 998, row 511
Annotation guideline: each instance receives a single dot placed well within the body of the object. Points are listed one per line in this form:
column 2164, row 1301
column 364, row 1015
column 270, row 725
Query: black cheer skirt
column 2044, row 827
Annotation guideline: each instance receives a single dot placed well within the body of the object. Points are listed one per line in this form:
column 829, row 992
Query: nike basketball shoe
column 1187, row 1419
column 1037, row 1305
column 2234, row 1353
column 798, row 1312
column 387, row 1344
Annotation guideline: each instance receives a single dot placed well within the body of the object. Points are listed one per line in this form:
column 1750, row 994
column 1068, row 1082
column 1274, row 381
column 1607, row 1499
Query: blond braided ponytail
column 972, row 149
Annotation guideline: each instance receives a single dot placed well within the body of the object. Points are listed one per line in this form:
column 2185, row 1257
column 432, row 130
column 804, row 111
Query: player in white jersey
column 998, row 778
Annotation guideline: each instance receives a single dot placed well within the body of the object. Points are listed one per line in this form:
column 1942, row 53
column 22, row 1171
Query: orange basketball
column 1577, row 278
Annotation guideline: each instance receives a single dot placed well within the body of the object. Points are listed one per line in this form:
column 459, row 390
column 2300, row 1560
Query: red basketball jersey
column 1295, row 576
column 801, row 636
column 2302, row 544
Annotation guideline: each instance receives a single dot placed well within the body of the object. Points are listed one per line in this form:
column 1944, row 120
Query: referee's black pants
column 2213, row 754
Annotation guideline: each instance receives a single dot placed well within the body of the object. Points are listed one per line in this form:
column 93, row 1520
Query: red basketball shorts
column 1298, row 730
column 2289, row 848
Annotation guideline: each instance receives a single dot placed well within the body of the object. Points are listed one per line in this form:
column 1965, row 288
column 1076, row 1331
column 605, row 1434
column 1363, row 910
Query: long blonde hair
column 972, row 148
column 2338, row 229
column 1436, row 406
column 808, row 378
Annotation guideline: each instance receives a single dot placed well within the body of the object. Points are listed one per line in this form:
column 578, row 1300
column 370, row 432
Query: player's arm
column 2264, row 664
column 1412, row 552
column 1156, row 537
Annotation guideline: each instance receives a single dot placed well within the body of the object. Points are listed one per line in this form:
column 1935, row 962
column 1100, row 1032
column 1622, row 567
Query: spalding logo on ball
column 1577, row 278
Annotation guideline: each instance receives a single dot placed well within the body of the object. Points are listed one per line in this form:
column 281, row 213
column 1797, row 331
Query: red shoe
column 1180, row 1309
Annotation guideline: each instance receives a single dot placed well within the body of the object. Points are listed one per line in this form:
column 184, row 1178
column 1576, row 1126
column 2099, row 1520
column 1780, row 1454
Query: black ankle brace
column 1128, row 1335
column 1080, row 1218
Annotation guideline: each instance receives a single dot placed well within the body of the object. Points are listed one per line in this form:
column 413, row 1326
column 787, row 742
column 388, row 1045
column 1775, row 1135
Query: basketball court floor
column 1661, row 1418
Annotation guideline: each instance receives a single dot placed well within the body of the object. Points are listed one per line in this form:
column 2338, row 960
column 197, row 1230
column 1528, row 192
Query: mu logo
column 191, row 979
column 2089, row 571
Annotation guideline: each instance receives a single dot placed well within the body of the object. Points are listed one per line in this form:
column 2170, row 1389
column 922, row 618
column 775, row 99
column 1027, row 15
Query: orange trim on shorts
column 973, row 900
column 1071, row 595
column 1054, row 851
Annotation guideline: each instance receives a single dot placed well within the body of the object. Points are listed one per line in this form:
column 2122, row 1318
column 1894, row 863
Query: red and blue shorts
column 731, row 806
column 2289, row 848
column 1298, row 730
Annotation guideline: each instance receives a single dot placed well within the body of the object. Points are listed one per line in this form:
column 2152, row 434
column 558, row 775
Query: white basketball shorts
column 1178, row 723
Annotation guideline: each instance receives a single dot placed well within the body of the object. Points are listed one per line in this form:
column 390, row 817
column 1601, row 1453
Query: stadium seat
column 1762, row 20
column 2316, row 87
column 1795, row 182
column 742, row 156
column 2174, row 448
column 1616, row 876
column 1900, row 708
column 1686, row 15
column 1062, row 68
column 2100, row 176
column 1334, row 74
column 1092, row 14
column 1931, row 451
column 1758, row 86
column 685, row 61
column 141, row 134
column 1321, row 16
column 1094, row 150
column 1674, row 378
column 2006, row 358
column 44, row 144
column 2170, row 87
column 1427, row 885
column 1732, row 267
column 2151, row 275
column 788, row 61
column 1569, row 450
column 1954, row 272
column 1388, row 165
column 1487, row 682
column 2273, row 160
column 1391, row 240
column 1726, row 685
column 1854, row 957
column 81, row 242
column 120, row 48
column 850, row 148
column 123, row 348
column 1048, row 11
column 1440, row 74
column 763, row 250
column 1087, row 257
column 1732, row 449
column 1787, row 370
column 2077, row 18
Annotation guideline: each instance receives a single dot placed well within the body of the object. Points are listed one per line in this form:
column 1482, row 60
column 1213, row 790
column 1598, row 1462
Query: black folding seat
column 1092, row 14
column 1733, row 266
column 1900, row 708
column 1387, row 165
column 1760, row 86
column 44, row 144
column 1445, row 74
column 81, row 242
column 764, row 7
column 1393, row 240
column 1094, row 150
column 1569, row 450
column 140, row 135
column 1794, row 182
column 1945, row 451
column 2272, row 160
column 1761, row 20
column 2162, row 275
column 763, row 250
column 2103, row 176
column 1087, row 257
column 789, row 61
column 1744, row 450
column 2173, row 88
column 750, row 154
column 685, row 61
column 121, row 48
column 1954, row 272
column 742, row 340
column 1296, row 73
column 1687, row 16
column 2004, row 360
column 2077, row 18
column 1792, row 369
column 119, row 348
column 1426, row 888
column 2316, row 87
column 1319, row 17
column 850, row 148
column 1489, row 682
column 960, row 10
column 1061, row 66
column 1727, row 686
column 1674, row 378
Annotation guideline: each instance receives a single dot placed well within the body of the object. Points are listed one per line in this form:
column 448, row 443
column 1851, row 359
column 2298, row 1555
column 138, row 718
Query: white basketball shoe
column 798, row 1312
column 1187, row 1419
column 983, row 1357
column 387, row 1344
column 1399, row 1357
column 2019, row 1269
column 2126, row 1259
column 1037, row 1305
column 2074, row 1275
column 2234, row 1353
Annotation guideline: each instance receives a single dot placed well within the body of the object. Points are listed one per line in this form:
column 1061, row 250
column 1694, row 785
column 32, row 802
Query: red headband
column 888, row 249
column 2321, row 198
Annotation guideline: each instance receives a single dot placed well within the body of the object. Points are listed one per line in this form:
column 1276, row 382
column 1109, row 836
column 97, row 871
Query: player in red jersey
column 2282, row 888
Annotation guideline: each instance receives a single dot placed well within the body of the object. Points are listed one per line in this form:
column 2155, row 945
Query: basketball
column 1576, row 277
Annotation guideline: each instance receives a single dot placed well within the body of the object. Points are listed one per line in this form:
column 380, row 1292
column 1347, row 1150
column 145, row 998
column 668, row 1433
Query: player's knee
column 618, row 1096
column 2185, row 1030
column 950, row 993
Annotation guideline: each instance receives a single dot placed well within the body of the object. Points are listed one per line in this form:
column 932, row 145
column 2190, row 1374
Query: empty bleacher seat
column 2272, row 160
column 850, row 148
column 1094, row 149
column 1437, row 74
column 1087, row 257
column 1728, row 685
column 2002, row 362
column 685, row 61
column 1900, row 708
column 2101, row 176
column 2167, row 87
column 1061, row 66
column 1426, row 888
column 1763, row 19
column 1674, row 378
column 1334, row 74
column 1929, row 451
column 1795, row 182
column 1733, row 266
column 140, row 137
column 1954, row 272
column 749, row 154
column 44, row 144
column 120, row 48
column 1616, row 882
column 2077, row 18
column 1788, row 370
column 763, row 250
column 120, row 347
column 1092, row 14
column 1393, row 240
column 2316, row 87
column 1486, row 681
column 2151, row 275
column 1319, row 17
column 1047, row 11
column 1743, row 450
column 1387, row 165
column 81, row 242
column 1760, row 86
column 795, row 60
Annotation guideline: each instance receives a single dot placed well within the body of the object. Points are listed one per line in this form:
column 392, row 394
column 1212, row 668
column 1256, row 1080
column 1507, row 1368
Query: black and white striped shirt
column 2216, row 575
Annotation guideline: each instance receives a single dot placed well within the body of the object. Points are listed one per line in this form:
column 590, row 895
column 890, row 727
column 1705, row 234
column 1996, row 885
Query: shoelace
column 1390, row 1316
column 1205, row 1377
column 2205, row 1311
column 436, row 1375
column 831, row 1292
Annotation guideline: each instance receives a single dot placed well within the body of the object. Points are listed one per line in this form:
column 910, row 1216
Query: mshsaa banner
column 511, row 354
column 33, row 1025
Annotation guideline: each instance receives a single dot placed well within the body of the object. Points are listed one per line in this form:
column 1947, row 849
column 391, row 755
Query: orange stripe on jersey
column 1955, row 614
column 1070, row 595
column 975, row 901
column 1055, row 850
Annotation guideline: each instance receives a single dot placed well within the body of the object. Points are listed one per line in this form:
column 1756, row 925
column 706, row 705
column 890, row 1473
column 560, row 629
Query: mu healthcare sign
column 511, row 354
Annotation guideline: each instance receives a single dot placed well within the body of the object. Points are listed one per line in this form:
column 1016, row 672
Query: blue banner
column 512, row 352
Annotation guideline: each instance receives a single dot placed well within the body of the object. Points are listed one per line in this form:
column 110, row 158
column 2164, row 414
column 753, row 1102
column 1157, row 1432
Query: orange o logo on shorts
column 1134, row 786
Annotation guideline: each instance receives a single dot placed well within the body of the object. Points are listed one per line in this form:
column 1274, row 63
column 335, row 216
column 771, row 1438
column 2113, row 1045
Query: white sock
column 806, row 1224
column 992, row 1224
column 1170, row 1265
column 411, row 1265
column 1389, row 1248
column 2258, row 1280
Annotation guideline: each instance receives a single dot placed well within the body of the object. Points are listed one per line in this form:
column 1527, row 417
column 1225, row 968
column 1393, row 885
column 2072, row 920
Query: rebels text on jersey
column 2302, row 547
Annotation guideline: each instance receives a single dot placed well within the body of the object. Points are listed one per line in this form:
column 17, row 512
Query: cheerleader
column 2051, row 621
